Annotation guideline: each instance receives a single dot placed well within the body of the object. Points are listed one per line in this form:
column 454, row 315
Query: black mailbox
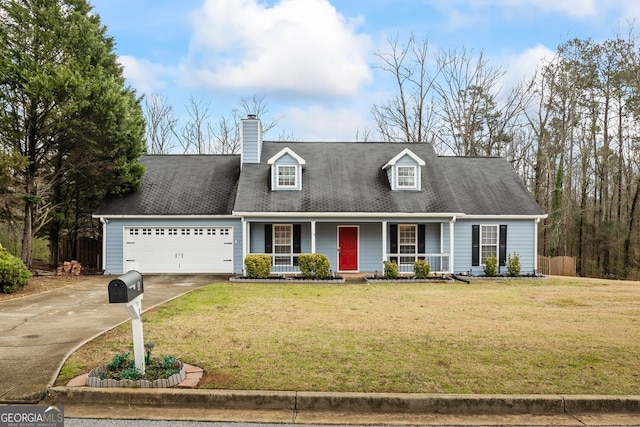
column 125, row 288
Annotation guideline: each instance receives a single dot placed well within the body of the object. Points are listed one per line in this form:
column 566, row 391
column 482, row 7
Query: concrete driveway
column 38, row 332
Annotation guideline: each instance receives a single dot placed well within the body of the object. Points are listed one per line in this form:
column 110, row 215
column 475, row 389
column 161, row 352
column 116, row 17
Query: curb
column 361, row 403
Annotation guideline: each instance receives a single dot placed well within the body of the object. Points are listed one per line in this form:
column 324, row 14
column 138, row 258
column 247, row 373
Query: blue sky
column 313, row 60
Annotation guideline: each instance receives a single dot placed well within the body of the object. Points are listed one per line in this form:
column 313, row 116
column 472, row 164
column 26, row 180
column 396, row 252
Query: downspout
column 451, row 235
column 104, row 242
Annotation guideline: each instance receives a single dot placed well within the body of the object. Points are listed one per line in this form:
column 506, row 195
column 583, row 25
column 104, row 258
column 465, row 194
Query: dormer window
column 287, row 177
column 404, row 171
column 406, row 177
column 286, row 170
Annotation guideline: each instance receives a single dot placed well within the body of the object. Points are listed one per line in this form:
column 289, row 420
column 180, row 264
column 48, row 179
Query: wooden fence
column 558, row 266
column 88, row 252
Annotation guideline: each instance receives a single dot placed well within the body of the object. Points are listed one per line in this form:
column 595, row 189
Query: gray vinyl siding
column 327, row 242
column 115, row 235
column 256, row 236
column 251, row 137
column 286, row 160
column 434, row 243
column 520, row 239
column 404, row 161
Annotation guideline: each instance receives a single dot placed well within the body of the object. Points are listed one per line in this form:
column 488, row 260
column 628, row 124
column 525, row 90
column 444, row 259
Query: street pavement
column 38, row 332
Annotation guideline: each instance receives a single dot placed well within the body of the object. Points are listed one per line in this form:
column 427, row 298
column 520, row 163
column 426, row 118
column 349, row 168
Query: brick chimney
column 251, row 139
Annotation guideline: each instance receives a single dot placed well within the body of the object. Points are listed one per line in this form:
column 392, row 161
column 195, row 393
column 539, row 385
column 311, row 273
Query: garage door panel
column 179, row 249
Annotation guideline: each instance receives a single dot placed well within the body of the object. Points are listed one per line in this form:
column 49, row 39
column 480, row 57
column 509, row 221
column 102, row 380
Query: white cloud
column 323, row 123
column 143, row 75
column 522, row 67
column 296, row 46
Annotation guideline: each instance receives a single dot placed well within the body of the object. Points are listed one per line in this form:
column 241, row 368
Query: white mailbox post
column 129, row 289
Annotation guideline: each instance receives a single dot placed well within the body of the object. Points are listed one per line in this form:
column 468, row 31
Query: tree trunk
column 27, row 235
column 627, row 240
column 54, row 243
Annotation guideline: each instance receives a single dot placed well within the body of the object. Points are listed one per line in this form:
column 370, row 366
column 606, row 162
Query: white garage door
column 179, row 249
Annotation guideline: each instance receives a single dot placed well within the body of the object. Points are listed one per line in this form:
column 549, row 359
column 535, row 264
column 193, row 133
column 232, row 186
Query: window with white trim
column 406, row 177
column 407, row 243
column 283, row 244
column 488, row 242
column 287, row 176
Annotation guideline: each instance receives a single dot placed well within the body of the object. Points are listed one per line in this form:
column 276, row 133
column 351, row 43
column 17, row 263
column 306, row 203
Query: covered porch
column 352, row 245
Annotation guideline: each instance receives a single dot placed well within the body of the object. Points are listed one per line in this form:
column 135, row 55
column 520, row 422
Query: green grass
column 554, row 336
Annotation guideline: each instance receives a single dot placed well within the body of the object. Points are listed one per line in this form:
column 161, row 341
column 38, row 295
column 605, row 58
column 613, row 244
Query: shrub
column 491, row 266
column 13, row 273
column 120, row 361
column 258, row 266
column 421, row 269
column 390, row 270
column 314, row 265
column 132, row 373
column 513, row 264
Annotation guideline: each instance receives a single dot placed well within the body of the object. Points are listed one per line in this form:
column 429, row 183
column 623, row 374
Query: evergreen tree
column 67, row 111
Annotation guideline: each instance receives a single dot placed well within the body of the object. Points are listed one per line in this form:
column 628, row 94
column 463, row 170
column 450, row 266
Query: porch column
column 384, row 241
column 451, row 235
column 245, row 241
column 313, row 237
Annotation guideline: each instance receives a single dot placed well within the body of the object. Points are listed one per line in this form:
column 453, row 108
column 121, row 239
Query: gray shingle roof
column 338, row 177
column 488, row 186
column 181, row 185
column 344, row 177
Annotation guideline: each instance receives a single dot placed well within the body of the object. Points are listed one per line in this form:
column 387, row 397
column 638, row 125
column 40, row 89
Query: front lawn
column 559, row 335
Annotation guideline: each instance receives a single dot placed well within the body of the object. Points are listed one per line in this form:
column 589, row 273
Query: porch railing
column 281, row 264
column 287, row 264
column 439, row 262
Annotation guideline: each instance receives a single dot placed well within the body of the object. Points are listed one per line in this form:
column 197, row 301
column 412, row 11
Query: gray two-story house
column 358, row 203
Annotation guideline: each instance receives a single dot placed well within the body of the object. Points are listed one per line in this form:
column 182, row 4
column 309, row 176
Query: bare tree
column 472, row 122
column 195, row 136
column 161, row 124
column 407, row 116
column 202, row 135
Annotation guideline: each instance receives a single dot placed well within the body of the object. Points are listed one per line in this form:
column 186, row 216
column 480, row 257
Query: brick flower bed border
column 93, row 380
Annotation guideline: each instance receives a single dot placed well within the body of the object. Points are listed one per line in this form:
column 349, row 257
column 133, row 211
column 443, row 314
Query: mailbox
column 126, row 288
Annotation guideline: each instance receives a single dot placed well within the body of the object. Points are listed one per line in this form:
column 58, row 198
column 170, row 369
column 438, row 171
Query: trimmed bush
column 491, row 266
column 258, row 266
column 13, row 273
column 513, row 264
column 421, row 269
column 390, row 270
column 314, row 265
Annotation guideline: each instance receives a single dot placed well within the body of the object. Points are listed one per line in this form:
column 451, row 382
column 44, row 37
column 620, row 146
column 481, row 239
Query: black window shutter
column 421, row 238
column 502, row 251
column 268, row 238
column 393, row 238
column 475, row 245
column 297, row 237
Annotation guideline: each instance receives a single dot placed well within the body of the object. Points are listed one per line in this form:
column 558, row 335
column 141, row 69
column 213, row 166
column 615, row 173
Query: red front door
column 348, row 248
